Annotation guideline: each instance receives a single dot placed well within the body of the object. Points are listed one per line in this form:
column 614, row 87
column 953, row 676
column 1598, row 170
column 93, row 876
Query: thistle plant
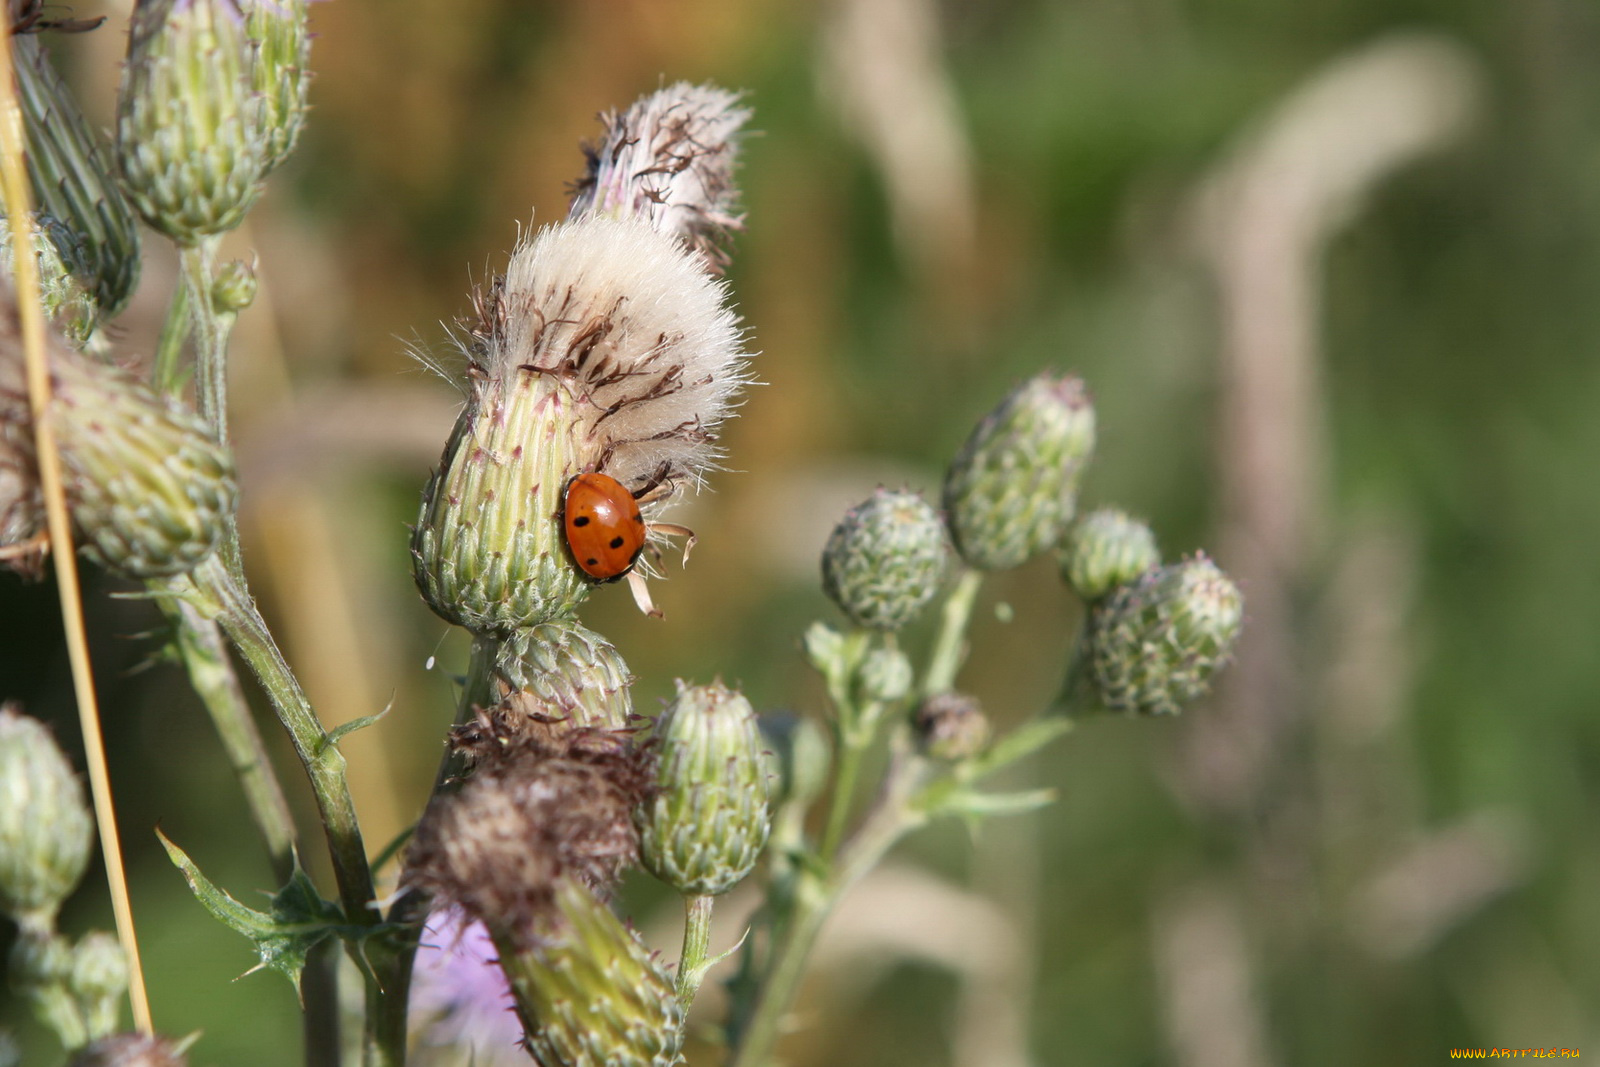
column 599, row 368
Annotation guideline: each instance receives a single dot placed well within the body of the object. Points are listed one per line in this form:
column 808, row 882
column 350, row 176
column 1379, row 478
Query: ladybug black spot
column 580, row 520
column 616, row 542
column 591, row 562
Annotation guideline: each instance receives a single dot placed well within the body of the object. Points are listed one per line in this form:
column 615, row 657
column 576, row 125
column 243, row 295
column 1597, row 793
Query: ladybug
column 606, row 533
column 604, row 528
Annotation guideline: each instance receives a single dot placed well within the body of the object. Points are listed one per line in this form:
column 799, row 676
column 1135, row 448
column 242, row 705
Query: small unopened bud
column 566, row 670
column 951, row 726
column 589, row 991
column 72, row 175
column 708, row 822
column 131, row 1050
column 189, row 139
column 234, row 287
column 1104, row 549
column 40, row 968
column 281, row 72
column 1013, row 488
column 99, row 980
column 886, row 675
column 45, row 830
column 886, row 560
column 669, row 160
column 70, row 307
column 1155, row 642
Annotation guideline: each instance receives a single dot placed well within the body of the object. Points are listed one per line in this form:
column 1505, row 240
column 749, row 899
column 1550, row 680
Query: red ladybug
column 604, row 529
column 606, row 533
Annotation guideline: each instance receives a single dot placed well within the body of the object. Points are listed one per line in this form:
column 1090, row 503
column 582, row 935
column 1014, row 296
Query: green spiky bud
column 45, row 830
column 1155, row 642
column 68, row 305
column 281, row 73
column 886, row 559
column 234, row 287
column 40, row 968
column 886, row 675
column 488, row 552
column 566, row 670
column 132, row 1050
column 705, row 828
column 589, row 991
column 1013, row 488
column 99, row 980
column 1104, row 549
column 189, row 139
column 148, row 487
column 950, row 726
column 73, row 180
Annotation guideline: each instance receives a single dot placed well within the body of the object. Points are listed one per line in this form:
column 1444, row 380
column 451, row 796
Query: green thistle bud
column 589, row 991
column 1014, row 486
column 567, row 670
column 886, row 560
column 705, row 828
column 281, row 73
column 886, row 675
column 40, row 969
column 72, row 178
column 131, row 1050
column 99, row 980
column 45, row 829
column 951, row 726
column 66, row 303
column 1155, row 642
column 189, row 140
column 148, row 487
column 1104, row 549
column 234, row 287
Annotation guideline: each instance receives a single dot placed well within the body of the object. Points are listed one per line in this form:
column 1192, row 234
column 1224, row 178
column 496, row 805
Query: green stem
column 695, row 960
column 236, row 613
column 949, row 646
column 210, row 335
column 205, row 657
column 388, row 1000
column 847, row 770
column 165, row 374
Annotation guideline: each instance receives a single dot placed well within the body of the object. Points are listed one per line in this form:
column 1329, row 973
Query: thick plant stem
column 386, row 1012
column 205, row 657
column 236, row 613
column 696, row 957
column 949, row 647
column 847, row 769
column 210, row 335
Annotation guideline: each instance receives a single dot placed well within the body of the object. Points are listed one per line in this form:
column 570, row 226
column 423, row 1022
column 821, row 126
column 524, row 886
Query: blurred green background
column 1329, row 268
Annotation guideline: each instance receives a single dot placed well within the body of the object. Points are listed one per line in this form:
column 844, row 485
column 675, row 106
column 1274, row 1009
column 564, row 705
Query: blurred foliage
column 1458, row 340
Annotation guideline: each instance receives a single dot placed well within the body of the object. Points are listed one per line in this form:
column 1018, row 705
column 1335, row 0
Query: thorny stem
column 696, row 957
column 949, row 647
column 205, row 658
column 386, row 1014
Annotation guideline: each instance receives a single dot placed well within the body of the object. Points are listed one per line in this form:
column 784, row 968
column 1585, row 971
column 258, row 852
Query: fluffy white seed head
column 669, row 159
column 624, row 320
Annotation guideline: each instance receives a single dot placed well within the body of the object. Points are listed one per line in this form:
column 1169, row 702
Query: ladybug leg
column 672, row 529
column 641, row 596
column 39, row 543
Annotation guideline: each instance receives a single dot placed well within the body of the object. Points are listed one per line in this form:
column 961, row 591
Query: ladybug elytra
column 604, row 528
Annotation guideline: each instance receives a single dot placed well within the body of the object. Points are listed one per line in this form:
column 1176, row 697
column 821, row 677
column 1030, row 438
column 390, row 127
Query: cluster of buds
column 148, row 487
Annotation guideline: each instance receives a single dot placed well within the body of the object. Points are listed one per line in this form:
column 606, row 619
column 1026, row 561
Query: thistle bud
column 40, row 967
column 669, row 160
column 72, row 177
column 1013, row 488
column 1105, row 549
column 589, row 991
column 280, row 74
column 99, row 980
column 707, row 824
column 567, row 670
column 189, row 138
column 1155, row 642
column 131, row 1050
column 45, row 829
column 604, row 348
column 950, row 726
column 886, row 675
column 886, row 560
column 234, row 287
column 69, row 306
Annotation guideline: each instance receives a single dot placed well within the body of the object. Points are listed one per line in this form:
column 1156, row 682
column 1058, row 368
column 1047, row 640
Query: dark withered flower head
column 536, row 810
column 131, row 1050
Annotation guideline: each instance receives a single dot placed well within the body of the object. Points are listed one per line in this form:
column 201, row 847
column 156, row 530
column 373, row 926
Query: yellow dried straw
column 14, row 184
